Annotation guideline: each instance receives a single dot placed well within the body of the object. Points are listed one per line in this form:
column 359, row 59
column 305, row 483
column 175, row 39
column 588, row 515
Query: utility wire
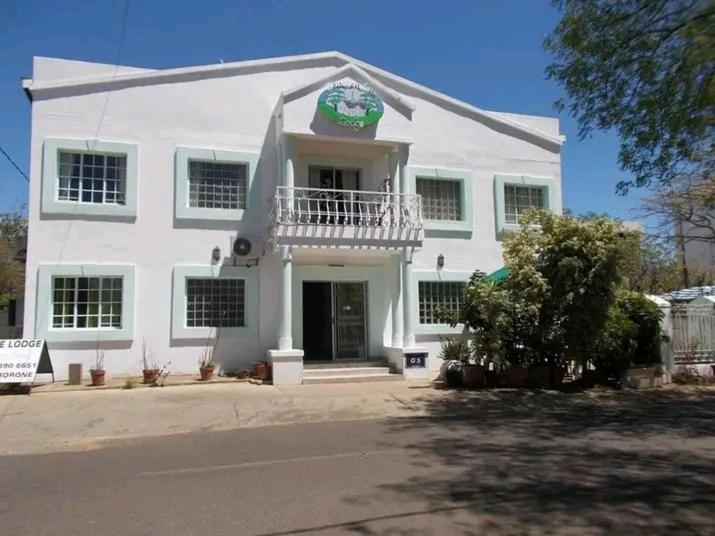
column 125, row 15
column 21, row 172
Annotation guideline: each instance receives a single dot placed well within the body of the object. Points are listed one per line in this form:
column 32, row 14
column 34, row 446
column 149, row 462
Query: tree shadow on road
column 549, row 463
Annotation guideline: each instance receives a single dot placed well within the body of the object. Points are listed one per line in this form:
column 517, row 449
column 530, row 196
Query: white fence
column 693, row 333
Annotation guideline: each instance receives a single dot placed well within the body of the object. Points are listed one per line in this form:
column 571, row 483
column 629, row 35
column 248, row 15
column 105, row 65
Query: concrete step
column 342, row 374
column 344, row 371
column 352, row 378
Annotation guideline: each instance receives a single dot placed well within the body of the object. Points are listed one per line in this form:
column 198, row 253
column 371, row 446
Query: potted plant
column 96, row 372
column 259, row 370
column 454, row 353
column 207, row 365
column 150, row 370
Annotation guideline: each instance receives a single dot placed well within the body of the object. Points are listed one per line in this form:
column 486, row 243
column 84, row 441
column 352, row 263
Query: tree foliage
column 646, row 69
column 557, row 297
column 13, row 227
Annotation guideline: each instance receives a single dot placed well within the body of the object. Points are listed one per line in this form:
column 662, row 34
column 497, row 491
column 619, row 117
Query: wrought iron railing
column 306, row 206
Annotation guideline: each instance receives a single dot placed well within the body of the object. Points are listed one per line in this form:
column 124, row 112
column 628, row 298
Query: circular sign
column 350, row 105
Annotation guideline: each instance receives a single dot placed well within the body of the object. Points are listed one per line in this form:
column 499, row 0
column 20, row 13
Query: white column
column 285, row 318
column 288, row 174
column 397, row 304
column 408, row 312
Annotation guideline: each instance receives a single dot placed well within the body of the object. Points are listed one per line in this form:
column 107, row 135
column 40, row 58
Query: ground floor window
column 439, row 295
column 87, row 302
column 215, row 303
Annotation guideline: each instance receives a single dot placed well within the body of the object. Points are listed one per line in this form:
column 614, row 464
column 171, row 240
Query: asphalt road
column 511, row 467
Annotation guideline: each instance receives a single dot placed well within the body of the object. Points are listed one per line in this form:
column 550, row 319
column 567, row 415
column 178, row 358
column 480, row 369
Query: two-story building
column 306, row 210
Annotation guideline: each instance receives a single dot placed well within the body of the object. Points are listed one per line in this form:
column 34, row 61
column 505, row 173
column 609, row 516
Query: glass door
column 349, row 310
column 333, row 207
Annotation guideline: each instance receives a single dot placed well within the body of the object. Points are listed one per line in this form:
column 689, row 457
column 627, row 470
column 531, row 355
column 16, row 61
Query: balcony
column 350, row 218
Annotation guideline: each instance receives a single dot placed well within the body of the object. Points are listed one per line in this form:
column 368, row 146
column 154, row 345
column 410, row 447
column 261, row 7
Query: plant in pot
column 259, row 370
column 454, row 352
column 206, row 365
column 150, row 370
column 96, row 371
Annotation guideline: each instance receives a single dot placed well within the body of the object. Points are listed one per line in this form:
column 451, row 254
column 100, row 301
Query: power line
column 125, row 15
column 21, row 172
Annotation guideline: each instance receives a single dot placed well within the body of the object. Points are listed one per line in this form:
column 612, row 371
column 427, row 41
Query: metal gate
column 693, row 333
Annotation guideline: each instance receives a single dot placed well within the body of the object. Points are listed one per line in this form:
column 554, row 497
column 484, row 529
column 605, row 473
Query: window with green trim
column 441, row 199
column 436, row 296
column 87, row 302
column 215, row 303
column 518, row 199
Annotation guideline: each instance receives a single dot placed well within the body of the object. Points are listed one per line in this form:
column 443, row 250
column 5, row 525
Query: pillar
column 285, row 318
column 408, row 312
column 397, row 304
column 288, row 174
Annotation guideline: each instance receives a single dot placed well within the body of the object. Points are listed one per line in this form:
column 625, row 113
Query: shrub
column 455, row 349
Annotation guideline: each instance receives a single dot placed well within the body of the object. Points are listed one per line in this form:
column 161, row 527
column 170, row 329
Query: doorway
column 334, row 320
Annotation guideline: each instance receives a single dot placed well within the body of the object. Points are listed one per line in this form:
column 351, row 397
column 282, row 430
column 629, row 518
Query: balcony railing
column 316, row 206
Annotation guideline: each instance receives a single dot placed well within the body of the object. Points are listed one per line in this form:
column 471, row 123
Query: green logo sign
column 350, row 105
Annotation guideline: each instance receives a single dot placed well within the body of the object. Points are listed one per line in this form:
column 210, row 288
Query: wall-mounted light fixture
column 440, row 261
column 216, row 254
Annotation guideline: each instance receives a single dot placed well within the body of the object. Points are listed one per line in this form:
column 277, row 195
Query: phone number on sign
column 18, row 365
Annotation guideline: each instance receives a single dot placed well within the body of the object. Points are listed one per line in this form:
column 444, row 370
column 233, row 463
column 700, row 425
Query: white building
column 366, row 199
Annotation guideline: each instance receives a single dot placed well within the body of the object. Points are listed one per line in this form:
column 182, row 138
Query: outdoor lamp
column 440, row 260
column 216, row 254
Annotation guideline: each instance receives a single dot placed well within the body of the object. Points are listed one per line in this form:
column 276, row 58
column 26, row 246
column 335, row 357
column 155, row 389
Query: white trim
column 100, row 83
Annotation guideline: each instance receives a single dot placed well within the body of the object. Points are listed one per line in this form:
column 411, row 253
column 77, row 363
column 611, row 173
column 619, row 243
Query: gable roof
column 128, row 79
column 352, row 70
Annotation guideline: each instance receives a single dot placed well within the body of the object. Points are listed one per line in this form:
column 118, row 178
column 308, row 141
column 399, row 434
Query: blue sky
column 485, row 52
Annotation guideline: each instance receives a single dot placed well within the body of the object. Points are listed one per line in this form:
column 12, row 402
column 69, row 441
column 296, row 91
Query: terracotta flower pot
column 150, row 375
column 207, row 373
column 259, row 370
column 473, row 376
column 515, row 376
column 97, row 377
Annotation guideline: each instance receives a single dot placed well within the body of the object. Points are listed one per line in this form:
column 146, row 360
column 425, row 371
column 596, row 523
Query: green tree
column 13, row 228
column 563, row 274
column 644, row 68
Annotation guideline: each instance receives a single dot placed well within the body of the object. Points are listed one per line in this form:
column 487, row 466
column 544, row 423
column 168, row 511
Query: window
column 215, row 303
column 217, row 185
column 517, row 199
column 92, row 178
column 87, row 302
column 439, row 295
column 440, row 199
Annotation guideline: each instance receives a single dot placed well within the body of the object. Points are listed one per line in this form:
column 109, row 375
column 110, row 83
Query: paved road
column 519, row 464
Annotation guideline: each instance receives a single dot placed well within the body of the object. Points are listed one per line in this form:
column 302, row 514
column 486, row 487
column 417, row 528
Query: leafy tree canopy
column 646, row 69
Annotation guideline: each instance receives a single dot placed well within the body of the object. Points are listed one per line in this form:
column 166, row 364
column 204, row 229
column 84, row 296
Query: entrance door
column 317, row 321
column 349, row 320
column 334, row 321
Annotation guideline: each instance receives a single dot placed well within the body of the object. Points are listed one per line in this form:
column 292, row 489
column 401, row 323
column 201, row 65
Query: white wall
column 234, row 112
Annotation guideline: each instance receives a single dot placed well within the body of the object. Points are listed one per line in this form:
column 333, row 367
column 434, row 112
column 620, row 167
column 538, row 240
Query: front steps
column 348, row 372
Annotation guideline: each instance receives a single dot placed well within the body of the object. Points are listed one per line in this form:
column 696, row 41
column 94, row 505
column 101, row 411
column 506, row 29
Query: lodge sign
column 350, row 104
column 22, row 359
column 416, row 360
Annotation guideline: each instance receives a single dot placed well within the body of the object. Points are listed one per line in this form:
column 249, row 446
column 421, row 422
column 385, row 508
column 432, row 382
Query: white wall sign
column 22, row 359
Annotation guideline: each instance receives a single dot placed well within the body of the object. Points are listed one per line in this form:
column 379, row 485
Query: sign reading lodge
column 22, row 359
column 350, row 105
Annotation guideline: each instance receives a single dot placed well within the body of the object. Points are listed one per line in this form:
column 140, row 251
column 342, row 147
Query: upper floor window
column 215, row 303
column 441, row 199
column 92, row 178
column 518, row 199
column 217, row 185
column 439, row 295
column 87, row 302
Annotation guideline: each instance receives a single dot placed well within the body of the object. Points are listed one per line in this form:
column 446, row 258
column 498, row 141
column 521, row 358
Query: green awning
column 497, row 277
